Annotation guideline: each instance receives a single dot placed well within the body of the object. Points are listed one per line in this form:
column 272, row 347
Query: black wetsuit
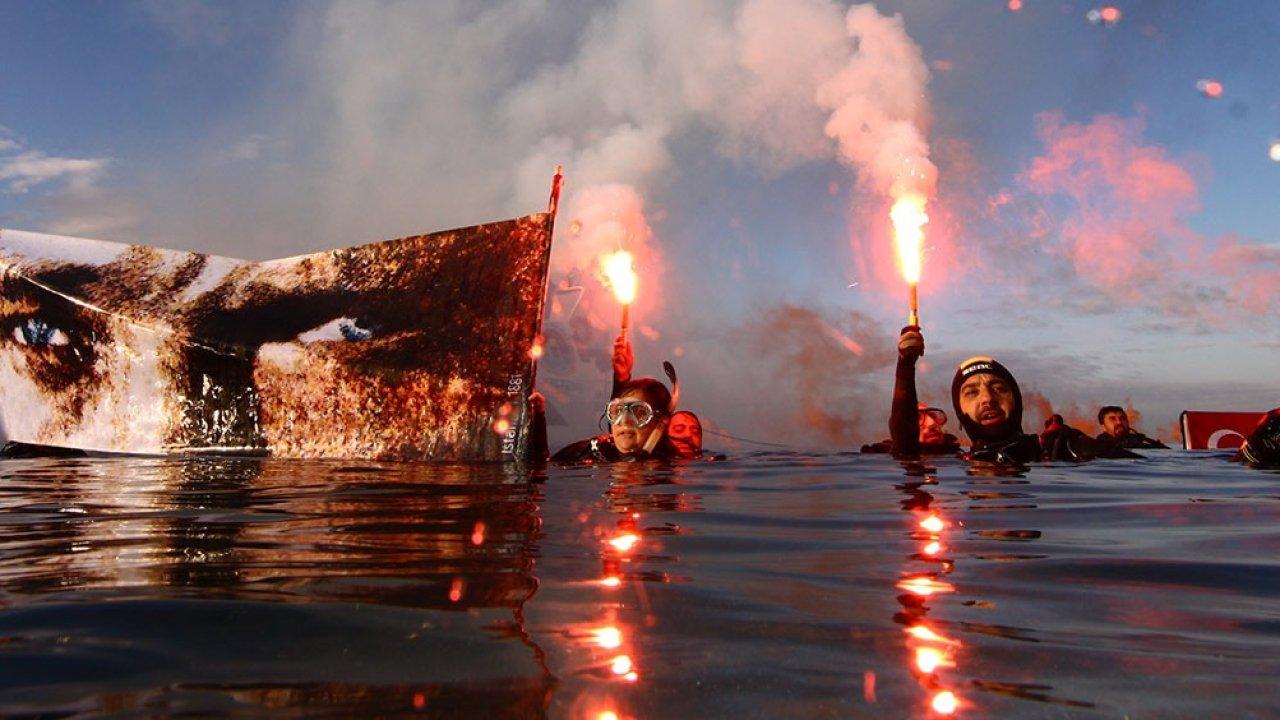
column 601, row 449
column 950, row 445
column 1064, row 444
column 1131, row 439
column 904, row 420
column 1262, row 448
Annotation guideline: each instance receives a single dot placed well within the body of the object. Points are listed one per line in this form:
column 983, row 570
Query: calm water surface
column 772, row 585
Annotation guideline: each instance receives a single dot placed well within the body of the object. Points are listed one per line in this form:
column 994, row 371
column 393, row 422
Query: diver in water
column 684, row 428
column 1262, row 448
column 638, row 417
column 1115, row 430
column 914, row 428
column 988, row 401
column 685, row 431
column 988, row 404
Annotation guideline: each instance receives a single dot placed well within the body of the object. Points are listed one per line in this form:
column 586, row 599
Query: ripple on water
column 769, row 585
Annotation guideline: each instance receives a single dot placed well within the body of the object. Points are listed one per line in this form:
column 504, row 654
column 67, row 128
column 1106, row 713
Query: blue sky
column 269, row 129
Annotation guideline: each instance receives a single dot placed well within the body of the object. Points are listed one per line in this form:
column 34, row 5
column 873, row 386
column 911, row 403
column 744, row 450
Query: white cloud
column 27, row 169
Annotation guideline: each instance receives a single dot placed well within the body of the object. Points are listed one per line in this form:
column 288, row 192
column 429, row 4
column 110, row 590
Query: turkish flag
column 1208, row 430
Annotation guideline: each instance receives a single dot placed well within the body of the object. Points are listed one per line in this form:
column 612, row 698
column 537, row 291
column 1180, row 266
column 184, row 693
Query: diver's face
column 1115, row 423
column 628, row 436
column 987, row 399
column 686, row 434
column 930, row 428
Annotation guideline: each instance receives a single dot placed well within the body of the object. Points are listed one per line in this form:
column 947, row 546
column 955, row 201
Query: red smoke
column 826, row 376
column 1082, row 416
column 1126, row 231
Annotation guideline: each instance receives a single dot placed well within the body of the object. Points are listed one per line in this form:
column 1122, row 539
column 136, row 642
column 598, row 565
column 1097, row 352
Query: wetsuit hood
column 1011, row 428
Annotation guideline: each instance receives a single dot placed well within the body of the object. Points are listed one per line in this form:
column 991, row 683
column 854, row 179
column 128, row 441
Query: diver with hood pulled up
column 988, row 404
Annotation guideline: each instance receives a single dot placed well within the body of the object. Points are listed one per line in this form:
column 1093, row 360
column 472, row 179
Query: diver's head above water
column 685, row 432
column 987, row 400
column 638, row 416
column 1114, row 420
column 932, row 422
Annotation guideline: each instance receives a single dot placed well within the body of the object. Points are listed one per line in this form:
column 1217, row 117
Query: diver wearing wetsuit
column 1262, row 449
column 988, row 402
column 1115, row 430
column 638, row 417
column 915, row 429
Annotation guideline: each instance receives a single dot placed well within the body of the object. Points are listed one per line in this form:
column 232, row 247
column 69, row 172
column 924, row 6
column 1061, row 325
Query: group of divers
column 644, row 424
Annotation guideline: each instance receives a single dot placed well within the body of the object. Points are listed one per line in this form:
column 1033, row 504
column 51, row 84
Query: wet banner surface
column 417, row 348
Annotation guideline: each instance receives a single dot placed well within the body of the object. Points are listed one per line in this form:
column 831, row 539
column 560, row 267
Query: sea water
column 769, row 585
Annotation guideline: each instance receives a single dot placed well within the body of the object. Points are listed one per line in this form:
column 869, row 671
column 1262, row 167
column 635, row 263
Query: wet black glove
column 911, row 343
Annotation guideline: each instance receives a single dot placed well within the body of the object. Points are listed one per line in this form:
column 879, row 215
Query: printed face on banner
column 402, row 349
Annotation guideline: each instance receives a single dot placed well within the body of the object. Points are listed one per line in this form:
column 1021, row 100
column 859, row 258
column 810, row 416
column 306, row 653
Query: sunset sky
column 1103, row 223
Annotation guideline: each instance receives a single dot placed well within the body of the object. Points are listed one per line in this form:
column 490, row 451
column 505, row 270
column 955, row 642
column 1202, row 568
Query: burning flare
column 620, row 275
column 909, row 218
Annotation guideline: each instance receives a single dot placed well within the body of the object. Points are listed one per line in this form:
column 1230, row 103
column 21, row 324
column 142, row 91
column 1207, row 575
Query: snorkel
column 656, row 436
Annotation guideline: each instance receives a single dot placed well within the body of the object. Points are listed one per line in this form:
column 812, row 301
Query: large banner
column 417, row 348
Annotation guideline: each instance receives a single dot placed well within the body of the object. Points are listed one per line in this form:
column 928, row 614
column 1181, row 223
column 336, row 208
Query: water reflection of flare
column 930, row 651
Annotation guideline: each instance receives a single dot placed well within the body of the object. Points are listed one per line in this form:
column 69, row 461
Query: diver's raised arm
column 904, row 413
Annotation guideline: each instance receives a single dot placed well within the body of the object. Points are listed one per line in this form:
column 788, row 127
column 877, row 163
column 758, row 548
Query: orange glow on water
column 477, row 533
column 625, row 542
column 621, row 665
column 608, row 637
column 612, row 581
column 925, row 587
column 924, row 632
column 929, row 659
column 909, row 218
column 945, row 702
column 933, row 523
column 933, row 548
column 607, row 715
column 455, row 589
column 620, row 275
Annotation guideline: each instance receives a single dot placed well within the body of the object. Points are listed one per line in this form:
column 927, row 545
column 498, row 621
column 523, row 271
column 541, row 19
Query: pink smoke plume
column 879, row 119
column 1126, row 231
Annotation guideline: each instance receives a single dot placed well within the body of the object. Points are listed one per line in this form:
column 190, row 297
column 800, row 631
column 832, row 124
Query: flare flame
column 620, row 275
column 909, row 218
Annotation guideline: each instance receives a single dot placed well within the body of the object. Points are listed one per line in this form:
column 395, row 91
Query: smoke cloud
column 1116, row 208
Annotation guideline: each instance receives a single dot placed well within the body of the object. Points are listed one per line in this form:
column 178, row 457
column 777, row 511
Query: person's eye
column 343, row 328
column 38, row 333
